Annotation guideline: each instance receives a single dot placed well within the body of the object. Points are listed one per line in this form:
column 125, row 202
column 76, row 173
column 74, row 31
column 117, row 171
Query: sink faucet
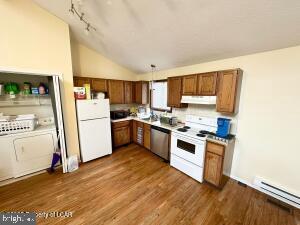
column 153, row 116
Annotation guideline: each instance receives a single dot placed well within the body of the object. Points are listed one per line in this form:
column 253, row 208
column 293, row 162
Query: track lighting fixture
column 75, row 12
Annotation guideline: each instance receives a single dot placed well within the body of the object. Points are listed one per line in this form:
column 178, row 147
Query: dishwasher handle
column 160, row 129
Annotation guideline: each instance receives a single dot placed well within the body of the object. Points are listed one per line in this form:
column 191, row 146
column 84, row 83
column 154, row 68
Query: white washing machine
column 27, row 152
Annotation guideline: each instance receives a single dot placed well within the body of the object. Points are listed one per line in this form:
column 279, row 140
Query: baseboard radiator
column 276, row 192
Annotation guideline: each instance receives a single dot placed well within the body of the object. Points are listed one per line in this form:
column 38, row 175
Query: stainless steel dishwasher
column 160, row 142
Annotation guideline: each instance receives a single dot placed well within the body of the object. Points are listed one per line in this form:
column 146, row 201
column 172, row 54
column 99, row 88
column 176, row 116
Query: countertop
column 168, row 127
column 154, row 123
column 220, row 142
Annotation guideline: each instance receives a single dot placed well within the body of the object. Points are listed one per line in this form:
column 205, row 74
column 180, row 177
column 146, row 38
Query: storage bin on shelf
column 11, row 126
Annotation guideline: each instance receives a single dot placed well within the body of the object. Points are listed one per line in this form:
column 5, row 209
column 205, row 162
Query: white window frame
column 168, row 109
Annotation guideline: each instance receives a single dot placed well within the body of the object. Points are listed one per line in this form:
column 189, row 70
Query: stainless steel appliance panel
column 160, row 142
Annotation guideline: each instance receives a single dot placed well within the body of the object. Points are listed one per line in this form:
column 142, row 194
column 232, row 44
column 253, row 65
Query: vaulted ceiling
column 172, row 33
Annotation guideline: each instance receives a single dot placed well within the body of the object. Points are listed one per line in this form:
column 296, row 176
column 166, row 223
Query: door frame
column 48, row 74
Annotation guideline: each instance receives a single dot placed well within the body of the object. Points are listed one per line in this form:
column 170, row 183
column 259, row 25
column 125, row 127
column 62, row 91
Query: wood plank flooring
column 133, row 186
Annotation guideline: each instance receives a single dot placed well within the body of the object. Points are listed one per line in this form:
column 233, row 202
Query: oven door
column 187, row 148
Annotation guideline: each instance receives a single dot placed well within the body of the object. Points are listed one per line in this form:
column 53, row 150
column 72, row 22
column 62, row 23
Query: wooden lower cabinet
column 147, row 136
column 121, row 133
column 218, row 161
column 134, row 131
column 213, row 168
column 138, row 132
column 141, row 134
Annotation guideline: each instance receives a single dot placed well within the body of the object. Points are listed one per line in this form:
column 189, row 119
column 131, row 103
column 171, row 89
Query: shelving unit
column 24, row 100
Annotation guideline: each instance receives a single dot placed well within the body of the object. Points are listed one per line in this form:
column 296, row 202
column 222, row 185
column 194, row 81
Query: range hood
column 204, row 100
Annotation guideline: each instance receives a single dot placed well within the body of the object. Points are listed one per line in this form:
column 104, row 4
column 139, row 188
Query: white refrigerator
column 93, row 118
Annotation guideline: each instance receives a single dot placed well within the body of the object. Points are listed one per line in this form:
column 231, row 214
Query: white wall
column 89, row 63
column 269, row 119
column 32, row 39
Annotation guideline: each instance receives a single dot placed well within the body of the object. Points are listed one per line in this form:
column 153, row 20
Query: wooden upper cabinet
column 133, row 94
column 228, row 90
column 116, row 91
column 175, row 92
column 145, row 92
column 99, row 85
column 138, row 92
column 80, row 81
column 207, row 84
column 128, row 92
column 142, row 92
column 189, row 85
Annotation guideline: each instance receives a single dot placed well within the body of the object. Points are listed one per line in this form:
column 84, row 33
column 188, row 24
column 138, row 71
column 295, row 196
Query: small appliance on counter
column 171, row 120
column 119, row 114
column 223, row 127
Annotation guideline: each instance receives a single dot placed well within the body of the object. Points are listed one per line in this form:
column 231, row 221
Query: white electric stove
column 188, row 145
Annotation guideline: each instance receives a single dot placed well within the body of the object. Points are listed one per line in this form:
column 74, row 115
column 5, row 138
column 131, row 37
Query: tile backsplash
column 122, row 106
column 193, row 109
column 204, row 110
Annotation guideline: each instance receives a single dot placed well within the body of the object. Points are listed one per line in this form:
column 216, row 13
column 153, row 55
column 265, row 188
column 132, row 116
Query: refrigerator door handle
column 95, row 118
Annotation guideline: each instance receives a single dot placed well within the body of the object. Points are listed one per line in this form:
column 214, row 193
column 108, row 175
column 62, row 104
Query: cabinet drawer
column 121, row 124
column 215, row 148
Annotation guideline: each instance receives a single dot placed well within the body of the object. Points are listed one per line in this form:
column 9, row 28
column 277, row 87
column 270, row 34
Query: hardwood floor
column 133, row 186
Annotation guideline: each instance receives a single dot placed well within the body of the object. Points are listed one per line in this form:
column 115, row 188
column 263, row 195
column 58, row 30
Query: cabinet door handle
column 23, row 150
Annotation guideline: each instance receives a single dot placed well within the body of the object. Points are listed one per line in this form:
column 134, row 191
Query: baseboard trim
column 13, row 180
column 258, row 189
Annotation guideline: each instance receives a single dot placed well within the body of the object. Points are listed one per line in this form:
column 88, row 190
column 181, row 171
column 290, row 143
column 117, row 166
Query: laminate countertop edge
column 156, row 123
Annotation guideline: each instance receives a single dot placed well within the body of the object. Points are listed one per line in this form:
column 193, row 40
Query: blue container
column 223, row 127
